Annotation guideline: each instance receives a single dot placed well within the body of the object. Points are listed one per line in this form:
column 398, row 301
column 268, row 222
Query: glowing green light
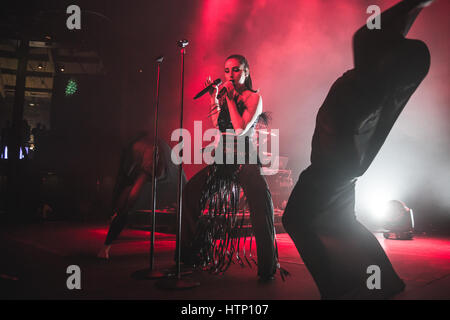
column 71, row 87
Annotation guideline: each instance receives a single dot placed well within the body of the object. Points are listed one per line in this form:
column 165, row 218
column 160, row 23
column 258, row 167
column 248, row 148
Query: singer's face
column 235, row 71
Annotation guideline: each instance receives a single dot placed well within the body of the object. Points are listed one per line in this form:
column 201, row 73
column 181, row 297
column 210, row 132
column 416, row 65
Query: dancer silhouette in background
column 351, row 126
column 136, row 169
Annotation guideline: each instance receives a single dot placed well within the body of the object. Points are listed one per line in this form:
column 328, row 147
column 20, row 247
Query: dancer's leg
column 335, row 247
column 126, row 200
column 305, row 219
column 355, row 250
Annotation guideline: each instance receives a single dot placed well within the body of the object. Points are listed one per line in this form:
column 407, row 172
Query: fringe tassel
column 218, row 234
column 218, row 238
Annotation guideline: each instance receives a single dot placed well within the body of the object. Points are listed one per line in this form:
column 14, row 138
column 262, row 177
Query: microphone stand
column 151, row 273
column 177, row 283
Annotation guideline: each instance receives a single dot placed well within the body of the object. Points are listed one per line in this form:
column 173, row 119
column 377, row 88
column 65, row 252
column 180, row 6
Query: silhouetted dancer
column 136, row 169
column 351, row 126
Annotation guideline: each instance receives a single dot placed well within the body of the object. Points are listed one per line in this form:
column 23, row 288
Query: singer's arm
column 242, row 124
column 214, row 110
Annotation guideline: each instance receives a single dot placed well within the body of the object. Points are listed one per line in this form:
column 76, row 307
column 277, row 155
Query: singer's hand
column 212, row 93
column 231, row 91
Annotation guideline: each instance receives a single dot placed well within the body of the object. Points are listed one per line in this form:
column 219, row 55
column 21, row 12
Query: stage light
column 71, row 87
column 378, row 204
column 398, row 221
column 4, row 154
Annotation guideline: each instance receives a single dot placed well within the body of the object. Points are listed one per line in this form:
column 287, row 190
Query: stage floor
column 35, row 258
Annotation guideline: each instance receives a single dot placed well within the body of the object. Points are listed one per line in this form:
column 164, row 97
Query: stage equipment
column 151, row 273
column 399, row 221
column 177, row 283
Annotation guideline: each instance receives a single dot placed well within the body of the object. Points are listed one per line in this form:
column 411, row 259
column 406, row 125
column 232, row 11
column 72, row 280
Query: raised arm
column 242, row 124
column 214, row 108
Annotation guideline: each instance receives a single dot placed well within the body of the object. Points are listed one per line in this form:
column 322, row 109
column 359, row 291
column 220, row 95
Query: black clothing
column 136, row 169
column 256, row 190
column 351, row 126
column 224, row 120
column 137, row 158
column 260, row 204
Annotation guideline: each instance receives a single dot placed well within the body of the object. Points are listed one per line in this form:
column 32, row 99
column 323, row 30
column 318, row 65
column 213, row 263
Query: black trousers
column 320, row 215
column 125, row 200
column 335, row 247
column 261, row 212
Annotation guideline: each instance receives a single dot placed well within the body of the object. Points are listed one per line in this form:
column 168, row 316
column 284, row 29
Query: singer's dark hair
column 242, row 60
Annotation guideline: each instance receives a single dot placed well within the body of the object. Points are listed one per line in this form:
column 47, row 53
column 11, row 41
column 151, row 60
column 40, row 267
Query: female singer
column 237, row 112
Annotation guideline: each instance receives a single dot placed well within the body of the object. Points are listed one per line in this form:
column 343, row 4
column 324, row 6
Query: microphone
column 210, row 87
column 182, row 43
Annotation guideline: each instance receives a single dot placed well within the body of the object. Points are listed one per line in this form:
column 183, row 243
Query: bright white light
column 377, row 204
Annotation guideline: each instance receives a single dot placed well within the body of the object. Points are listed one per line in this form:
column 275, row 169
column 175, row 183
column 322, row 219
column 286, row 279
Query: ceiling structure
column 45, row 60
column 53, row 50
